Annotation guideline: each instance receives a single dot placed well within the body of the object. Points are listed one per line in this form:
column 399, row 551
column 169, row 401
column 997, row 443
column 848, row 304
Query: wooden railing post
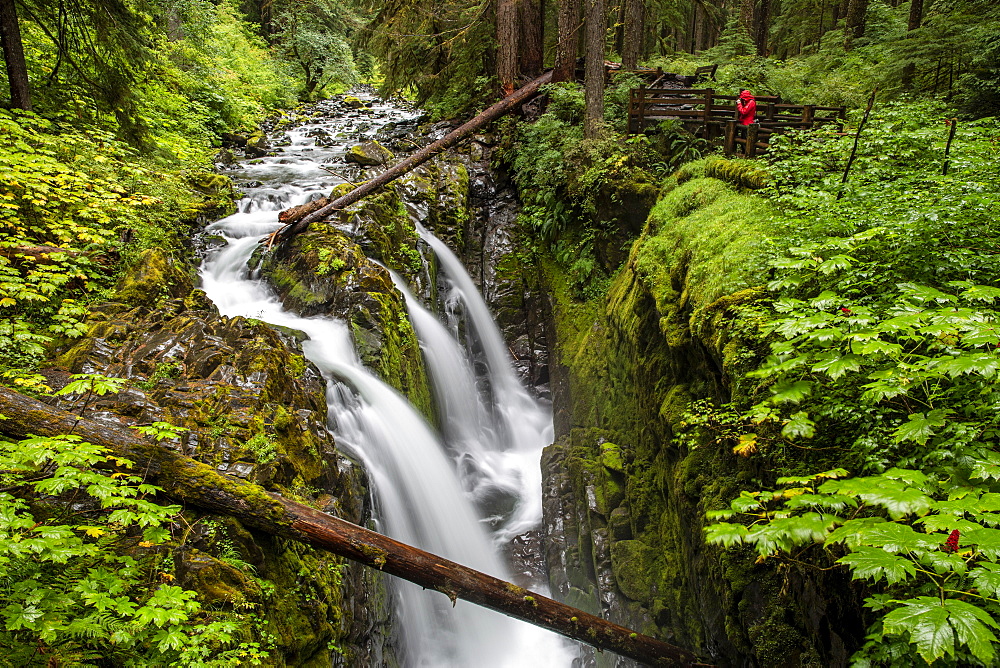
column 769, row 115
column 730, row 144
column 709, row 98
column 642, row 108
column 752, row 139
column 807, row 114
column 631, row 111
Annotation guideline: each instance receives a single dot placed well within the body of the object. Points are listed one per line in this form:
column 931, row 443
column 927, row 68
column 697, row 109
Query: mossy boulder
column 369, row 154
column 632, row 561
column 154, row 276
column 324, row 271
column 354, row 102
column 253, row 407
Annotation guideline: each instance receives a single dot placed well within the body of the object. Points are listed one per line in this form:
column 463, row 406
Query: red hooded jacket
column 746, row 107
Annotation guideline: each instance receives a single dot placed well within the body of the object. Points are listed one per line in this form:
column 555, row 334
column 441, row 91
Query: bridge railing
column 707, row 113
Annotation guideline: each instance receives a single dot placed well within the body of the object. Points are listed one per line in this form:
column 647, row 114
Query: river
column 432, row 488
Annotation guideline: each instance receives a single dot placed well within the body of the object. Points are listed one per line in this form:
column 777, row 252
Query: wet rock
column 369, row 154
column 254, row 408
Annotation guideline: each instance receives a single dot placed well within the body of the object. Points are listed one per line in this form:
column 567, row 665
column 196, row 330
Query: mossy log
column 200, row 485
column 296, row 213
column 504, row 106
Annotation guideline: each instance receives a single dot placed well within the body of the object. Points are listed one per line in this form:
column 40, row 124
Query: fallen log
column 202, row 486
column 502, row 107
column 296, row 213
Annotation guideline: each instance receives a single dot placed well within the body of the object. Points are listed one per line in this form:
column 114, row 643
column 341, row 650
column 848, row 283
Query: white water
column 419, row 496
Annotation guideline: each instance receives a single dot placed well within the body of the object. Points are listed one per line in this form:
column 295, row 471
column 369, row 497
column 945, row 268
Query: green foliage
column 77, row 581
column 314, row 36
column 720, row 236
column 66, row 199
column 885, row 349
column 440, row 55
column 895, row 528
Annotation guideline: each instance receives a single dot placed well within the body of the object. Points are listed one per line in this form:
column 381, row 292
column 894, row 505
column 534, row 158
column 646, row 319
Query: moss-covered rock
column 326, row 271
column 253, row 408
column 152, row 277
column 679, row 324
column 369, row 154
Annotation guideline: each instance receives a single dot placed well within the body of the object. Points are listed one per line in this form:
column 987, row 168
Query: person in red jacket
column 746, row 107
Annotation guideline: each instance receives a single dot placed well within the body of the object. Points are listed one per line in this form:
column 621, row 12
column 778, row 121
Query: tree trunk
column 190, row 481
column 532, row 37
column 916, row 17
column 593, row 115
column 507, row 44
column 502, row 107
column 567, row 41
column 855, row 24
column 698, row 33
column 13, row 56
column 763, row 27
column 635, row 33
column 746, row 16
column 618, row 26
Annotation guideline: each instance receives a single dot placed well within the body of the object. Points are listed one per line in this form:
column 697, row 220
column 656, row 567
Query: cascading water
column 419, row 498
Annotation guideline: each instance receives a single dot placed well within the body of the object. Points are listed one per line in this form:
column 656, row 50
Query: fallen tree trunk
column 502, row 107
column 202, row 486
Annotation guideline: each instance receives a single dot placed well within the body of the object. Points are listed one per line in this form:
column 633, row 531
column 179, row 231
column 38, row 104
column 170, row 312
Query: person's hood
column 746, row 95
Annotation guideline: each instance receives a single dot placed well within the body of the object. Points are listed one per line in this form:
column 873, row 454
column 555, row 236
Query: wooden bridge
column 713, row 116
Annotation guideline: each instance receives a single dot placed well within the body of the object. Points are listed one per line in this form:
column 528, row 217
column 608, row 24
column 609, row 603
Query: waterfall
column 420, row 498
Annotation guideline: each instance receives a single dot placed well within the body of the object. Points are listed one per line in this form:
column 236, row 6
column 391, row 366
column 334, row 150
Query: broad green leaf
column 986, row 539
column 926, row 620
column 852, row 533
column 944, row 562
column 895, row 537
column 875, row 564
column 876, row 347
column 983, row 364
column 802, row 480
column 919, row 428
column 790, row 391
column 983, row 293
column 799, row 426
column 971, row 626
column 726, row 533
column 839, row 365
column 986, row 578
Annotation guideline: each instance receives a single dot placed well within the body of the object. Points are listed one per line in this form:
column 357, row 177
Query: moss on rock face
column 369, row 154
column 326, row 271
column 254, row 408
column 632, row 561
column 153, row 276
column 679, row 323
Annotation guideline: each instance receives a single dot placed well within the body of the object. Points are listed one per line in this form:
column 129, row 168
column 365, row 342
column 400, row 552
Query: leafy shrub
column 81, row 583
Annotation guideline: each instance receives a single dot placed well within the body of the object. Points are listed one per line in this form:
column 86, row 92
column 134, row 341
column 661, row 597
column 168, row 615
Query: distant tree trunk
column 597, row 24
column 635, row 33
column 916, row 17
column 619, row 25
column 13, row 56
column 698, row 34
column 855, row 27
column 762, row 27
column 507, row 41
column 266, row 16
column 746, row 16
column 567, row 40
column 532, row 28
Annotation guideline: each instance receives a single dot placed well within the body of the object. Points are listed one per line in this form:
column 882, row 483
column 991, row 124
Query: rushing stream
column 463, row 493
